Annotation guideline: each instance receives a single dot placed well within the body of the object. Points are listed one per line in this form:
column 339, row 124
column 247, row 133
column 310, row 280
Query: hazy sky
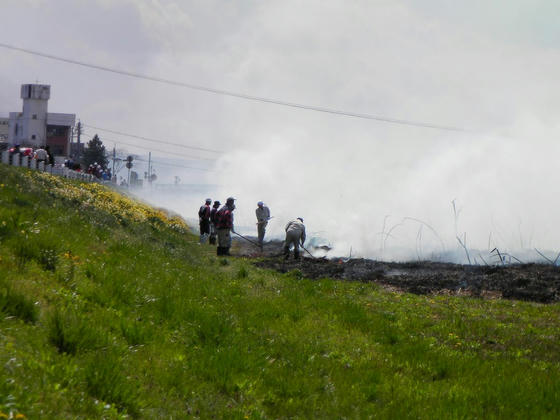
column 489, row 67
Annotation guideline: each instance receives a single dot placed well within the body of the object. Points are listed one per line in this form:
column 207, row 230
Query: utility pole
column 114, row 157
column 150, row 168
column 79, row 134
column 71, row 143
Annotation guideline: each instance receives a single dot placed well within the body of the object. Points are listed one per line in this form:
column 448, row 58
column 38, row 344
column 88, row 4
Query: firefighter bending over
column 295, row 234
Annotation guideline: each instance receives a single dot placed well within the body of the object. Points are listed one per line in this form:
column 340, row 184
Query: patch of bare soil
column 530, row 282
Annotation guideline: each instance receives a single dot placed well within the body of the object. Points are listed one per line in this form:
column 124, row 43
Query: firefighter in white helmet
column 263, row 215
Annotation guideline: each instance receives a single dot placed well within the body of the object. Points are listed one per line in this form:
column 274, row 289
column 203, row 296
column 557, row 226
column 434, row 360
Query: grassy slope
column 110, row 308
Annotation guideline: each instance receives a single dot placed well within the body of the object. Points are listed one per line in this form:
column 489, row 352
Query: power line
column 174, row 164
column 241, row 95
column 151, row 149
column 151, row 139
column 170, row 164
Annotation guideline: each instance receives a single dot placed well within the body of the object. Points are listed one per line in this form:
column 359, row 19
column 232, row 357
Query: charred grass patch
column 135, row 320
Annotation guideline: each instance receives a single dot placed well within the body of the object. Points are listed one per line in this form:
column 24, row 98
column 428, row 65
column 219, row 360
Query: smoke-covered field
column 459, row 198
column 488, row 273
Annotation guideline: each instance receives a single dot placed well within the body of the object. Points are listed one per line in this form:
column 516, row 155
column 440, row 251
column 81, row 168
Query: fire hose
column 248, row 240
column 312, row 256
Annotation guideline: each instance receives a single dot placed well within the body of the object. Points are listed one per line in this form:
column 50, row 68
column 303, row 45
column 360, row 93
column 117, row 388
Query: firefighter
column 295, row 234
column 204, row 220
column 224, row 225
column 263, row 215
column 213, row 221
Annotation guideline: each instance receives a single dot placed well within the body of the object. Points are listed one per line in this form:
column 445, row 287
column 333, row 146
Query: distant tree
column 95, row 153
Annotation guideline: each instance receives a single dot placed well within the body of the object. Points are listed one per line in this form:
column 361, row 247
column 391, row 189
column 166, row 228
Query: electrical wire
column 151, row 139
column 240, row 95
column 174, row 164
column 160, row 163
column 151, row 149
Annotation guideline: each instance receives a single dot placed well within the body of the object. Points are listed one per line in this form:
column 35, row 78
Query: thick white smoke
column 392, row 198
column 354, row 194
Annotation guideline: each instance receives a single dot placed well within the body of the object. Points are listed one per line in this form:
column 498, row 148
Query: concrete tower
column 36, row 127
column 35, row 109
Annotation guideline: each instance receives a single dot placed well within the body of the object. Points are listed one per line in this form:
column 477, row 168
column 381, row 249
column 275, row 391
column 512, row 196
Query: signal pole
column 129, row 160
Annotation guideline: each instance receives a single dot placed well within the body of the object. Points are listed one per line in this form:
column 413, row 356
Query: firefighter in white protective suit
column 295, row 235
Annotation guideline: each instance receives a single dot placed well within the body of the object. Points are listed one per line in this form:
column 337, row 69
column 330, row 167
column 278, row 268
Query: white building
column 36, row 127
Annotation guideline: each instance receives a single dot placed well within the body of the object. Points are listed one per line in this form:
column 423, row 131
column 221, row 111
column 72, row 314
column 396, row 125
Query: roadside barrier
column 17, row 159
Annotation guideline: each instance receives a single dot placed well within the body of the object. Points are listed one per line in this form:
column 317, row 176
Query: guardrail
column 16, row 159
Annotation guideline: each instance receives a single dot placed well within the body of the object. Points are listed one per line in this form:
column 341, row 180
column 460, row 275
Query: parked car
column 24, row 151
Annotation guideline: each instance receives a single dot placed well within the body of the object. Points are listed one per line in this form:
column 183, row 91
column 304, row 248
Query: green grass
column 108, row 310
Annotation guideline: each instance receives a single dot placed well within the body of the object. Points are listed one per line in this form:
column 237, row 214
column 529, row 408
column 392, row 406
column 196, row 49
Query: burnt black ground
column 530, row 282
